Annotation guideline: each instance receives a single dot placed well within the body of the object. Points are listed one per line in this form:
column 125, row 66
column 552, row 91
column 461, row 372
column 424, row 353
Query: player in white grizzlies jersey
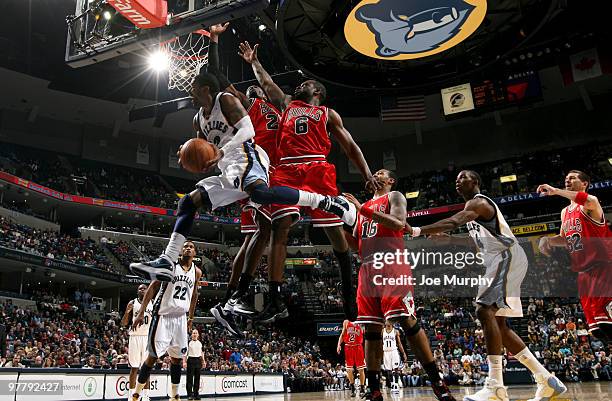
column 392, row 346
column 225, row 123
column 137, row 346
column 170, row 325
column 506, row 264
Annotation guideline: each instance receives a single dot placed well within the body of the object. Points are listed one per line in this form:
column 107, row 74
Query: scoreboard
column 516, row 90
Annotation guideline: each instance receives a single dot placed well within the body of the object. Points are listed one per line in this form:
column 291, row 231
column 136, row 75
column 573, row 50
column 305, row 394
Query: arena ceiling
column 308, row 35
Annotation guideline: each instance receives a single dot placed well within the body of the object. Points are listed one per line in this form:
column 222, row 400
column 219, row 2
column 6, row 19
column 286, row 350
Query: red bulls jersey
column 587, row 240
column 265, row 119
column 303, row 134
column 374, row 237
column 353, row 335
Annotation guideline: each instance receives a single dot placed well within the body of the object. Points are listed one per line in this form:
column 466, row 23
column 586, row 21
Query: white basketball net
column 186, row 55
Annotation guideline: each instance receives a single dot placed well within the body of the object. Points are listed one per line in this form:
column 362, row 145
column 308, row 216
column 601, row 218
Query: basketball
column 195, row 153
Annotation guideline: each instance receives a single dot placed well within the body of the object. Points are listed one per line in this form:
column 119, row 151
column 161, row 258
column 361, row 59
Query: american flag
column 402, row 108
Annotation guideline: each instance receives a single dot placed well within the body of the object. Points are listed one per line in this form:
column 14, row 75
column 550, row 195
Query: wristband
column 367, row 212
column 416, row 231
column 581, row 198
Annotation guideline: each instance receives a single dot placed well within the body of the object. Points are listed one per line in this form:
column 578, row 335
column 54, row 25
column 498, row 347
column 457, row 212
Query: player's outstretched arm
column 339, row 347
column 128, row 313
column 589, row 202
column 152, row 289
column 213, row 64
column 395, row 220
column 473, row 209
column 350, row 148
column 194, row 299
column 275, row 94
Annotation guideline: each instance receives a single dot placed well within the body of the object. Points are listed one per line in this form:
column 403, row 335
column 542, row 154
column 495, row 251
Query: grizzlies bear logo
column 410, row 29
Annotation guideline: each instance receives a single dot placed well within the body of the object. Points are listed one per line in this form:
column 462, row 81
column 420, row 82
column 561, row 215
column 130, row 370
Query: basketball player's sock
column 275, row 292
column 243, row 284
column 139, row 388
column 346, row 277
column 432, row 371
column 228, row 293
column 495, row 369
column 185, row 215
column 374, row 380
column 531, row 362
column 143, row 375
column 175, row 379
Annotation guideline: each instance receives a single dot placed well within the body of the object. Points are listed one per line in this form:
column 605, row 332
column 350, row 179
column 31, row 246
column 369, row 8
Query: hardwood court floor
column 576, row 392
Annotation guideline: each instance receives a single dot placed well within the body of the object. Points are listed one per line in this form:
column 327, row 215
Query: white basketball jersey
column 389, row 340
column 494, row 236
column 176, row 295
column 143, row 329
column 215, row 128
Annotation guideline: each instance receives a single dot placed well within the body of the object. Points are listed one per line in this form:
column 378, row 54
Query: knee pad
column 186, row 205
column 262, row 194
column 175, row 373
column 412, row 331
column 372, row 336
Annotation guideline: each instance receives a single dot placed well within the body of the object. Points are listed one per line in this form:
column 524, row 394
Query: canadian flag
column 584, row 65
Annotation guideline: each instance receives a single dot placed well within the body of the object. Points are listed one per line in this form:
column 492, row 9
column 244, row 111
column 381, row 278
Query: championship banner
column 533, row 228
column 142, row 154
column 389, row 162
column 329, row 329
column 457, row 99
column 173, row 161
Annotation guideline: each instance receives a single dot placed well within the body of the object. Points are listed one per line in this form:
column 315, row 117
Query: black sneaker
column 273, row 312
column 226, row 319
column 161, row 269
column 373, row 396
column 353, row 392
column 240, row 306
column 362, row 392
column 442, row 392
column 341, row 207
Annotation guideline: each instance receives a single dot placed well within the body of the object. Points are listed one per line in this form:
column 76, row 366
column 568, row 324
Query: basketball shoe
column 491, row 391
column 341, row 207
column 548, row 387
column 161, row 269
column 226, row 319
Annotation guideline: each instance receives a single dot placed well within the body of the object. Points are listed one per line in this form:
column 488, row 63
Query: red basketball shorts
column 377, row 303
column 594, row 287
column 354, row 357
column 318, row 177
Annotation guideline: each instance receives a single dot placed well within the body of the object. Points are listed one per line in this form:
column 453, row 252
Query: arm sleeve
column 213, row 66
column 244, row 132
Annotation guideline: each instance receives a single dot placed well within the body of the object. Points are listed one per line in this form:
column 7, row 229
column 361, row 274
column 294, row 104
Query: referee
column 195, row 359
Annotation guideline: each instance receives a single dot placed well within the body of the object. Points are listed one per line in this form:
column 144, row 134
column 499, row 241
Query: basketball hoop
column 186, row 55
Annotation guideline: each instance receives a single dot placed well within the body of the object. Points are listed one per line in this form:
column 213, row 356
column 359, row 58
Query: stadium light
column 610, row 161
column 262, row 27
column 507, row 178
column 159, row 61
column 107, row 15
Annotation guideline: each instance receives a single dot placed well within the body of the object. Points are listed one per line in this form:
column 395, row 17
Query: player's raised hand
column 353, row 200
column 218, row 29
column 138, row 321
column 247, row 53
column 544, row 246
column 546, row 190
column 213, row 162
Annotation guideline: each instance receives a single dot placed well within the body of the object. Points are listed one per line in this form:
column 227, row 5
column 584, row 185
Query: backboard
column 102, row 29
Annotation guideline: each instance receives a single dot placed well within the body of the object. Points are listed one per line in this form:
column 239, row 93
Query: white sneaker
column 491, row 391
column 548, row 387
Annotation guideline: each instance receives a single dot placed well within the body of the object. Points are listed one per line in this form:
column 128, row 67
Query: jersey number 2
column 178, row 294
column 272, row 123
